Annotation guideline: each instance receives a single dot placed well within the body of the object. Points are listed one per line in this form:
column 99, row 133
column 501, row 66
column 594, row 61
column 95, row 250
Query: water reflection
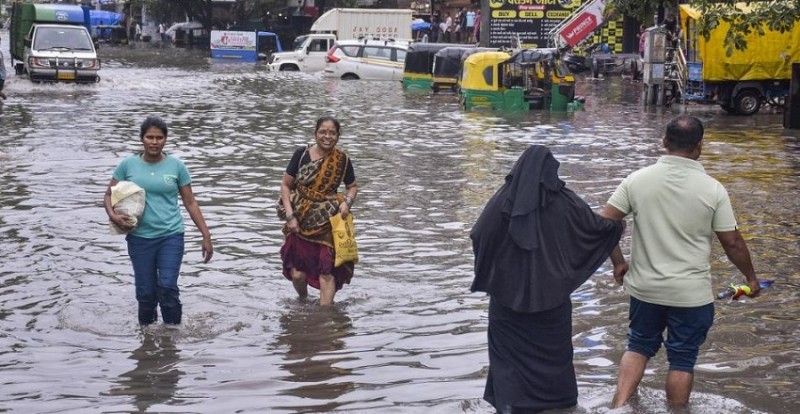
column 155, row 378
column 427, row 168
column 313, row 337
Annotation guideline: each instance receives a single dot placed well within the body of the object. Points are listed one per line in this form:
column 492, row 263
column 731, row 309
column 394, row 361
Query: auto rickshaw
column 520, row 80
column 447, row 67
column 418, row 67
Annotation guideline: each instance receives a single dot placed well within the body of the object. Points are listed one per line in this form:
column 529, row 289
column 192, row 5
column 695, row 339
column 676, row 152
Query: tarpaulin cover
column 103, row 17
column 767, row 57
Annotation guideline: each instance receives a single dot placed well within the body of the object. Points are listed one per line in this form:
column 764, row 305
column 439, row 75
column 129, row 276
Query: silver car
column 367, row 59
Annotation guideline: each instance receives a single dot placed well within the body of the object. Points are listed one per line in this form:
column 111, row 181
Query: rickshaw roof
column 429, row 47
column 453, row 51
column 533, row 55
column 484, row 57
column 474, row 50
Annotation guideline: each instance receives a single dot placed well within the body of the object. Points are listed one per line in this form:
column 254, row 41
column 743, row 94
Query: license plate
column 66, row 76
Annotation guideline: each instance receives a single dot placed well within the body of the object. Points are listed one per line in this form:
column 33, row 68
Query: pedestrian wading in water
column 309, row 198
column 676, row 208
column 156, row 243
column 535, row 242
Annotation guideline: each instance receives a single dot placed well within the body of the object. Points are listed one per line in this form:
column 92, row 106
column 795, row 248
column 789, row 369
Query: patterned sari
column 314, row 201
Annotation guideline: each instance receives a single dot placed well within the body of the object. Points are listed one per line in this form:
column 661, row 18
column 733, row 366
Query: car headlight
column 40, row 62
column 87, row 64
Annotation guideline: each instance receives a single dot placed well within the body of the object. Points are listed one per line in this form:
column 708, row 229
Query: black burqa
column 535, row 242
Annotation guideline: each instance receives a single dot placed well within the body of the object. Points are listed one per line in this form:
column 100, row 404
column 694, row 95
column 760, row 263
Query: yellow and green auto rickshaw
column 447, row 67
column 418, row 66
column 524, row 79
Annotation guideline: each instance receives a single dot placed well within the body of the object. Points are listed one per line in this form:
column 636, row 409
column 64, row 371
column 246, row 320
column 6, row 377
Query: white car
column 367, row 59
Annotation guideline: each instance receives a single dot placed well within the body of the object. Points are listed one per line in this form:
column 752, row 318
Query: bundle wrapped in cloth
column 127, row 199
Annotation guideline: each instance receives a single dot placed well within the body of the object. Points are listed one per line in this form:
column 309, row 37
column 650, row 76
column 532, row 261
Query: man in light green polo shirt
column 676, row 207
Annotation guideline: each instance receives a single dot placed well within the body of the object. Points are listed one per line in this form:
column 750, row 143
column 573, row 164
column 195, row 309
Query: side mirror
column 308, row 50
column 27, row 42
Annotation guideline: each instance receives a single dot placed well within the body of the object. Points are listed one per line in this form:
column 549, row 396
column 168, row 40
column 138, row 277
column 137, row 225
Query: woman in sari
column 308, row 199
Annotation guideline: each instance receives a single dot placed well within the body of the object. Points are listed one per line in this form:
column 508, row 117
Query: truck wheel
column 747, row 102
column 595, row 67
column 19, row 69
column 289, row 68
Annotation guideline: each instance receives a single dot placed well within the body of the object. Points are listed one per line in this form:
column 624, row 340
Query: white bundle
column 127, row 199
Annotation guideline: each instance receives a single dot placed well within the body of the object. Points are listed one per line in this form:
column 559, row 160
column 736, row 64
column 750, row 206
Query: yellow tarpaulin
column 767, row 57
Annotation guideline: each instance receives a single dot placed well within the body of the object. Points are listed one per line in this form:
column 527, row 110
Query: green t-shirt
column 161, row 182
column 676, row 208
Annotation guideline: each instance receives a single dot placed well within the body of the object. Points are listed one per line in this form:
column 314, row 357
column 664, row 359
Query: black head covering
column 536, row 241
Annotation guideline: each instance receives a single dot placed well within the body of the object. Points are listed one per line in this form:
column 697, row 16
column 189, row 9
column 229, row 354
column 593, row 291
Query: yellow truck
column 742, row 82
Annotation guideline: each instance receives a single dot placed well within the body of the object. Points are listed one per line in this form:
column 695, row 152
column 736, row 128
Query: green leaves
column 754, row 17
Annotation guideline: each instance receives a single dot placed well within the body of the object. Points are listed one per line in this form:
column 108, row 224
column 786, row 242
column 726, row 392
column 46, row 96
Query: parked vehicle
column 244, row 45
column 367, row 59
column 517, row 80
column 52, row 42
column 447, row 67
column 418, row 67
column 308, row 55
column 742, row 82
column 342, row 24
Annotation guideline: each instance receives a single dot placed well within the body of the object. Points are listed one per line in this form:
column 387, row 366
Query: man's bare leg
column 327, row 289
column 299, row 282
column 679, row 387
column 631, row 371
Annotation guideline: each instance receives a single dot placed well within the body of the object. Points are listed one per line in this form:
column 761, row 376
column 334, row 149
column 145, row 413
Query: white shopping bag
column 127, row 199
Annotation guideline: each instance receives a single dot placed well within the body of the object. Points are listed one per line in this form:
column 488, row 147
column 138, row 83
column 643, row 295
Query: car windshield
column 52, row 38
column 299, row 42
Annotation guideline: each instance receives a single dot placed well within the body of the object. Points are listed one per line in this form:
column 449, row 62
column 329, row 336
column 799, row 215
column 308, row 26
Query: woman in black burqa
column 535, row 242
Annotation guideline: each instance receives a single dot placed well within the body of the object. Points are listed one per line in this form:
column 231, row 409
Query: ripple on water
column 406, row 336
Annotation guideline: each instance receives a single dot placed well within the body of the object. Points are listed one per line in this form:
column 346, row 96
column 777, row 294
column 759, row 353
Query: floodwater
column 406, row 336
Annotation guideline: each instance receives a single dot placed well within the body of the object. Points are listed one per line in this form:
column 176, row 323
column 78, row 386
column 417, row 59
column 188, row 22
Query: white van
column 55, row 52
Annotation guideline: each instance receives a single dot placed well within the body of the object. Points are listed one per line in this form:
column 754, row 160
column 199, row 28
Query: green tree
column 778, row 15
column 641, row 10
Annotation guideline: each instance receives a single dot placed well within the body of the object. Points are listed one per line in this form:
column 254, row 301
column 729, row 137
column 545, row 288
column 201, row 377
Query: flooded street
column 406, row 336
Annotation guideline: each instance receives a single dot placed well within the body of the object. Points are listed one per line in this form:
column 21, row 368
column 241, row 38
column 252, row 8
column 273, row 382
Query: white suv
column 367, row 59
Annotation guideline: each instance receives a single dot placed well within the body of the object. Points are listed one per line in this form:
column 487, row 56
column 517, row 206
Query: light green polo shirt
column 676, row 208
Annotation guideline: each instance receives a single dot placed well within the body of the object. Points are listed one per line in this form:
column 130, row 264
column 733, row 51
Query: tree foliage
column 202, row 10
column 641, row 10
column 755, row 17
column 777, row 15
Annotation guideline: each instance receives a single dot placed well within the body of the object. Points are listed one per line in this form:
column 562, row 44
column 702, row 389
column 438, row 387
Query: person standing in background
column 470, row 26
column 476, row 32
column 2, row 76
column 447, row 27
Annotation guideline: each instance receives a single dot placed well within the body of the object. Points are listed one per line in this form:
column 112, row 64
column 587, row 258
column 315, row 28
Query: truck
column 244, row 45
column 310, row 50
column 52, row 42
column 742, row 82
